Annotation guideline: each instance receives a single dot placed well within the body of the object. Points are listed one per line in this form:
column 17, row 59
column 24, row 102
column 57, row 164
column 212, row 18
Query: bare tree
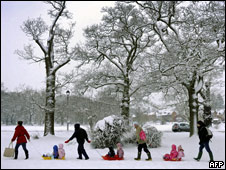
column 56, row 53
column 196, row 54
column 193, row 41
column 117, row 45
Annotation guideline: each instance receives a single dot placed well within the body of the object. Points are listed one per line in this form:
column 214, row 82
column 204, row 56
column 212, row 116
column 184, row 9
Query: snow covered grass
column 37, row 147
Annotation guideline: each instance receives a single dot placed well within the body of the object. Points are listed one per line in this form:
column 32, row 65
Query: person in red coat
column 20, row 133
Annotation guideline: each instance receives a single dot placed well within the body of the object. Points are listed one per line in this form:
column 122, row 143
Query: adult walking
column 20, row 133
column 204, row 141
column 81, row 135
column 141, row 143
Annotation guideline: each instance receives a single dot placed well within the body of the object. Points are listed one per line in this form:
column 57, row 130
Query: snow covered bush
column 129, row 137
column 35, row 136
column 152, row 134
column 107, row 132
column 154, row 137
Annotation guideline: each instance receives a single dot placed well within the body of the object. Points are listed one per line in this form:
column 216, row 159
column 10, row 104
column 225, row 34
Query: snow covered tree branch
column 56, row 53
column 119, row 41
column 194, row 52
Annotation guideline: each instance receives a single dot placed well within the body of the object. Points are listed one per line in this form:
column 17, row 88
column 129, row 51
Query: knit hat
column 180, row 148
column 77, row 126
column 20, row 123
column 119, row 145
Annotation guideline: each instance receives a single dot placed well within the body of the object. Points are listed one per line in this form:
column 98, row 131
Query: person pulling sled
column 204, row 138
column 20, row 133
column 81, row 135
column 141, row 141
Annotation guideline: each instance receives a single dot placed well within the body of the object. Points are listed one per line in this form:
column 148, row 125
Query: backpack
column 142, row 135
column 209, row 133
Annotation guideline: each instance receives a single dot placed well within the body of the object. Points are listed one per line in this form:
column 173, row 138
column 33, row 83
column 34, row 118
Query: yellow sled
column 49, row 158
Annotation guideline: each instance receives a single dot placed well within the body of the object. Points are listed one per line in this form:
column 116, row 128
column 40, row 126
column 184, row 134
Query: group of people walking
column 80, row 134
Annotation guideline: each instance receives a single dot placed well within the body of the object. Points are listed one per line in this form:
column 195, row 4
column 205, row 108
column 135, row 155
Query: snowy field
column 37, row 147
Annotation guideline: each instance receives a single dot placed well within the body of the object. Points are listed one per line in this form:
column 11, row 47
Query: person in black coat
column 81, row 135
column 204, row 141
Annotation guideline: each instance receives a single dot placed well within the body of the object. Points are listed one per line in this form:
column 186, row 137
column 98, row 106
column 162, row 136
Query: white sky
column 15, row 71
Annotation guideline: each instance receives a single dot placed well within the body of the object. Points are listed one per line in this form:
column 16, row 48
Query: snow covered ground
column 37, row 147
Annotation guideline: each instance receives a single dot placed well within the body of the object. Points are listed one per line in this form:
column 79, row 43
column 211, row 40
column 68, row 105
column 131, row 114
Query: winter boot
column 211, row 156
column 138, row 156
column 149, row 157
column 26, row 154
column 16, row 155
column 79, row 154
column 199, row 156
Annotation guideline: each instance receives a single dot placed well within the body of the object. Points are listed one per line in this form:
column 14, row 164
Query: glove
column 29, row 140
column 66, row 141
column 89, row 141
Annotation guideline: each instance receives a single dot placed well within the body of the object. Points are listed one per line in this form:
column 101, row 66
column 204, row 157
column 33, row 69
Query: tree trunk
column 193, row 106
column 30, row 118
column 61, row 118
column 31, row 114
column 50, row 104
column 7, row 120
column 125, row 100
column 12, row 120
column 207, row 116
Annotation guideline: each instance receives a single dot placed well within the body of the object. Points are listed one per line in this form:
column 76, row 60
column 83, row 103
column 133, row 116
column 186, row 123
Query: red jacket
column 20, row 133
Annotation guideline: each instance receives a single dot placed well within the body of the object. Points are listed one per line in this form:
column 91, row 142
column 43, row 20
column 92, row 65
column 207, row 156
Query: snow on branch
column 68, row 78
column 40, row 106
column 54, row 70
column 28, row 54
column 96, row 86
column 34, row 27
column 112, row 61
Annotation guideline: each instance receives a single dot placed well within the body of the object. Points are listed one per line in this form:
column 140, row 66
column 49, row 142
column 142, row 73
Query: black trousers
column 24, row 148
column 143, row 146
column 206, row 145
column 82, row 151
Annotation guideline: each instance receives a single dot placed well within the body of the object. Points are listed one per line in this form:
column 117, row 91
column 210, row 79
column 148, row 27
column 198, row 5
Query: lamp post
column 67, row 93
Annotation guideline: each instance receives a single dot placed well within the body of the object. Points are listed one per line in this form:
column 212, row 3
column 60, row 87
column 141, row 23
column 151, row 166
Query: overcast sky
column 15, row 71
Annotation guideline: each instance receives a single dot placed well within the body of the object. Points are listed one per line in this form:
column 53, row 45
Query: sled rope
column 98, row 152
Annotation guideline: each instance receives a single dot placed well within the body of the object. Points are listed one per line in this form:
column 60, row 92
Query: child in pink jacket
column 120, row 151
column 173, row 153
column 180, row 152
column 61, row 151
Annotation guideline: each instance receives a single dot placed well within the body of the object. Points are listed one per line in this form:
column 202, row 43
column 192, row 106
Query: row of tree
column 27, row 104
column 138, row 48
